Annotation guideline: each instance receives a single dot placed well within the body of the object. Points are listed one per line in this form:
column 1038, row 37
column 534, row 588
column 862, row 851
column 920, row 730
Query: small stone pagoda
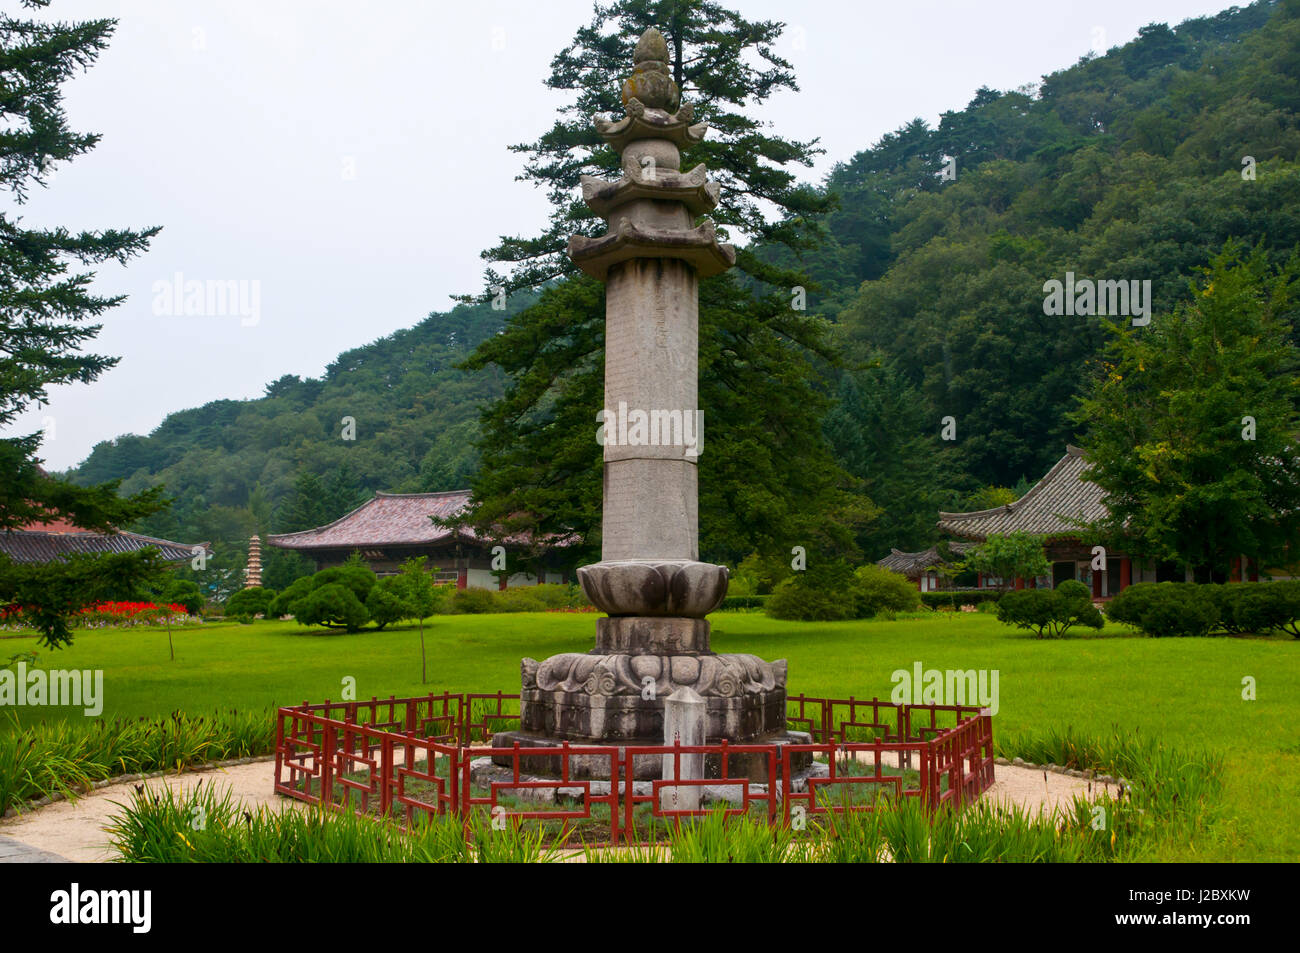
column 650, row 580
column 253, row 572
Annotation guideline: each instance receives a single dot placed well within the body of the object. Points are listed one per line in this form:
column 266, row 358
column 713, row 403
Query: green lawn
column 1185, row 691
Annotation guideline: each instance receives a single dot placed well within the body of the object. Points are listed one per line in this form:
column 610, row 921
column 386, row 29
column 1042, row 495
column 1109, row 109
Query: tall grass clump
column 207, row 825
column 1164, row 793
column 718, row 839
column 66, row 758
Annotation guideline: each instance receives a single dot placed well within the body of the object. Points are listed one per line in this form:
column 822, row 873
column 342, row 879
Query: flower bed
column 103, row 615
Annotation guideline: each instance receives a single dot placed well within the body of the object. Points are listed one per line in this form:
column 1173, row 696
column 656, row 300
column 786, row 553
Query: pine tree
column 306, row 506
column 724, row 65
column 46, row 315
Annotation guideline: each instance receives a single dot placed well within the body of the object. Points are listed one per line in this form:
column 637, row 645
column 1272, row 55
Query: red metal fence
column 411, row 758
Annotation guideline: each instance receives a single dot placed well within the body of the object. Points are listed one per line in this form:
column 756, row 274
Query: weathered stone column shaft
column 651, row 399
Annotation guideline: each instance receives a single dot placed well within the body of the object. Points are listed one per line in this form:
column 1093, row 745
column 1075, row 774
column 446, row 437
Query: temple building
column 43, row 542
column 392, row 527
column 1053, row 509
column 924, row 567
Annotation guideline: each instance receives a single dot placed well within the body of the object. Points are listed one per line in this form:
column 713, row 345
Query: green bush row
column 351, row 595
column 1173, row 609
column 545, row 597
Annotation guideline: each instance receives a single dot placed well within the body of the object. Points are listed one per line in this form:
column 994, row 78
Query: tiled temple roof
column 389, row 519
column 913, row 564
column 45, row 542
column 1053, row 507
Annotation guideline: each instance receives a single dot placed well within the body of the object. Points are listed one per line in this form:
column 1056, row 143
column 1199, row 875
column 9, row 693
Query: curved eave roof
column 1053, row 507
column 388, row 519
column 913, row 564
column 40, row 546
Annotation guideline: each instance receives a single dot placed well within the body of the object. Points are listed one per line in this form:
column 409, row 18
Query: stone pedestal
column 650, row 581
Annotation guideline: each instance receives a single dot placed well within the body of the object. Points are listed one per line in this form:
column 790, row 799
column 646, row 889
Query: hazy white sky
column 346, row 161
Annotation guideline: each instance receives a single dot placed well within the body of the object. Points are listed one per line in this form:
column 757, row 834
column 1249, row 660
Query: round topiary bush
column 834, row 590
column 283, row 604
column 332, row 605
column 1260, row 607
column 881, row 590
column 250, row 602
column 826, row 592
column 1050, row 612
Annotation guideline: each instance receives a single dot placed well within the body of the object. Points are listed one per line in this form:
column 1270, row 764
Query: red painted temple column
column 1125, row 573
column 462, row 578
column 1020, row 582
column 1096, row 584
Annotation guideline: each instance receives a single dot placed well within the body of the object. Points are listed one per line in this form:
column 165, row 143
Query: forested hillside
column 1125, row 166
column 282, row 462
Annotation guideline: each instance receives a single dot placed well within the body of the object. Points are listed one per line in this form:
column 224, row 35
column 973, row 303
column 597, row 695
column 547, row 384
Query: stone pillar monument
column 650, row 580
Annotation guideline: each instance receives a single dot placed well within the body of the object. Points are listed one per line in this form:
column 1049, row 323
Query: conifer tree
column 47, row 313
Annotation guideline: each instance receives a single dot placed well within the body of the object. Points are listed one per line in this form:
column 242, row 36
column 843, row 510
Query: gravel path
column 74, row 831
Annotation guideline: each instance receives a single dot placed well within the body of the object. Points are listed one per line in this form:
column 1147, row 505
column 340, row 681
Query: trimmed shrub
column 824, row 592
column 386, row 602
column 357, row 577
column 1050, row 612
column 183, row 592
column 1228, row 599
column 283, row 604
column 833, row 591
column 334, row 606
column 882, row 590
column 554, row 595
column 548, row 597
column 473, row 601
column 517, row 600
column 1262, row 607
column 1166, row 609
column 249, row 602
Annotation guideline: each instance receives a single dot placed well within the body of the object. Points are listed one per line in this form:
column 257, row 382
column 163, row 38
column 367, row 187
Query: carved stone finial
column 650, row 82
column 651, row 46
